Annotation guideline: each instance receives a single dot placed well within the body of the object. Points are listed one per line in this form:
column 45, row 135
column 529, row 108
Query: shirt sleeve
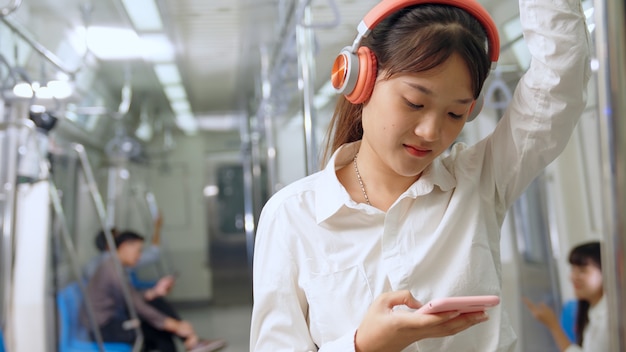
column 145, row 311
column 280, row 310
column 548, row 101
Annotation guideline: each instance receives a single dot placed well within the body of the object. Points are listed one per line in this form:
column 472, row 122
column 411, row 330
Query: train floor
column 227, row 315
column 231, row 323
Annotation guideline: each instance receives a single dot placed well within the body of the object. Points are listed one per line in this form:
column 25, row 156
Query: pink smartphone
column 463, row 304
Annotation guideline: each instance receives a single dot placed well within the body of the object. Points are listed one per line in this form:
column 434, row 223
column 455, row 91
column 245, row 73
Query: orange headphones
column 354, row 69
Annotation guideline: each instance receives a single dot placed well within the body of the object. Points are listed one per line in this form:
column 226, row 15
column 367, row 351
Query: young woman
column 592, row 329
column 345, row 256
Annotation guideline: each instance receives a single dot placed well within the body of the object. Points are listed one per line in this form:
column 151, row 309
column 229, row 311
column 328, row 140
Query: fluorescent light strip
column 167, row 73
column 175, row 92
column 144, row 14
column 180, row 106
column 187, row 123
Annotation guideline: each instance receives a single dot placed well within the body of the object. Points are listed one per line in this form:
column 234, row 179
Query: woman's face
column 587, row 282
column 412, row 118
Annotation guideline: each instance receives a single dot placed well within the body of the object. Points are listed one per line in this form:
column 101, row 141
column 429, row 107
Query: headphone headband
column 386, row 7
column 354, row 69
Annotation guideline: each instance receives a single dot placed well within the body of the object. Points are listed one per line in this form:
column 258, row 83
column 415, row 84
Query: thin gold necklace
column 358, row 176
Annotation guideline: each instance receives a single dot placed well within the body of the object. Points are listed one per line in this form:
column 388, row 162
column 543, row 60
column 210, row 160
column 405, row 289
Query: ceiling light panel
column 157, row 47
column 144, row 14
column 109, row 43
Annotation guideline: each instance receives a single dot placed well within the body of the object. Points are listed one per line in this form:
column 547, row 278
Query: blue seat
column 568, row 319
column 140, row 284
column 1, row 342
column 73, row 336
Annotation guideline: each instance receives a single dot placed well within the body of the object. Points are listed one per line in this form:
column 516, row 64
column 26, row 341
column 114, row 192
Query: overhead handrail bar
column 100, row 208
column 39, row 48
column 7, row 10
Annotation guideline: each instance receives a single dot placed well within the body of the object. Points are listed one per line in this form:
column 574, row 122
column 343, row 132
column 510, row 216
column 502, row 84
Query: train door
column 225, row 202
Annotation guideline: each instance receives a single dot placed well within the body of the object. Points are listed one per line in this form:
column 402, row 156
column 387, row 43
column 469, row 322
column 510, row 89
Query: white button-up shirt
column 321, row 259
column 596, row 333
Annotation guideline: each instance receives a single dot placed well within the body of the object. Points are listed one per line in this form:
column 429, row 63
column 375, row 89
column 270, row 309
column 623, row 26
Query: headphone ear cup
column 476, row 107
column 367, row 71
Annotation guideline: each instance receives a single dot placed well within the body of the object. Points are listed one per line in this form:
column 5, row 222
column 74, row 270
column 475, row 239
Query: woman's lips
column 418, row 151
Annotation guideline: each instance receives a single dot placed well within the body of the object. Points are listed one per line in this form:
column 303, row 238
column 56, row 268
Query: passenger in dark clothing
column 159, row 323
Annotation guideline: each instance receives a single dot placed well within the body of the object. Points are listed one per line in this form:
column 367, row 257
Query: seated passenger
column 159, row 328
column 149, row 255
column 103, row 253
column 592, row 332
column 155, row 295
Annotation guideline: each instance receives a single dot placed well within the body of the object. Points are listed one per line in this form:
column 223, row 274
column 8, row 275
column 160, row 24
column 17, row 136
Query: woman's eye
column 455, row 116
column 414, row 106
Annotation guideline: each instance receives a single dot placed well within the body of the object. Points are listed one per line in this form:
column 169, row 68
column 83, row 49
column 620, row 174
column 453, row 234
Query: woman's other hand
column 542, row 312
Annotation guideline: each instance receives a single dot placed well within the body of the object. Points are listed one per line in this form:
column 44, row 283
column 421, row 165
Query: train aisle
column 228, row 314
column 231, row 323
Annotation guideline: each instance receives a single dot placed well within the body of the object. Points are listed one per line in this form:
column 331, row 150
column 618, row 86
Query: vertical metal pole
column 266, row 111
column 305, row 44
column 611, row 54
column 66, row 238
column 9, row 177
column 111, row 216
column 102, row 216
column 248, row 202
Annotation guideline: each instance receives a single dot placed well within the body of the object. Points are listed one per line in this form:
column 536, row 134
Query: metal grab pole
column 69, row 246
column 8, row 216
column 99, row 203
column 611, row 53
column 306, row 63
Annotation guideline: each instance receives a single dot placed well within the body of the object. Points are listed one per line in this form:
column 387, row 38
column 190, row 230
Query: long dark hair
column 585, row 254
column 415, row 39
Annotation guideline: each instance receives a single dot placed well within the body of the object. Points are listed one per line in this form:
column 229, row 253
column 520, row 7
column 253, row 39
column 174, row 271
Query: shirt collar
column 331, row 195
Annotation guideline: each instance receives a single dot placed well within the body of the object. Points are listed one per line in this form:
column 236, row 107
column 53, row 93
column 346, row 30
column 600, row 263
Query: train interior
column 117, row 113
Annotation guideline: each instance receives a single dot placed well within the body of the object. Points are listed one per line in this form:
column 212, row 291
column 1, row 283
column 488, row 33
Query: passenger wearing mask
column 592, row 325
